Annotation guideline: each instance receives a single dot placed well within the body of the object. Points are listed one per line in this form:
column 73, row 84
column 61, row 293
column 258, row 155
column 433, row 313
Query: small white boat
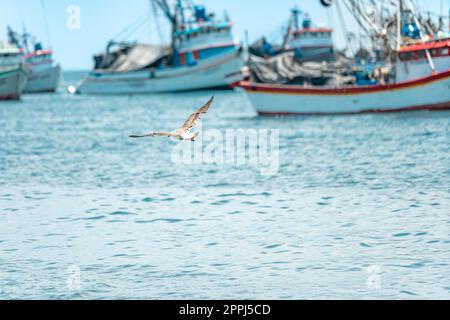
column 44, row 73
column 13, row 77
column 220, row 70
column 202, row 55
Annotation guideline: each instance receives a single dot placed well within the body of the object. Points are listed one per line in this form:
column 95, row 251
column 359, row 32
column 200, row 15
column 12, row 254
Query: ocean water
column 360, row 207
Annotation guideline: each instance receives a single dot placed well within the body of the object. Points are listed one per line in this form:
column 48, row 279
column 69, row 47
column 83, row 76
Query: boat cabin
column 413, row 63
column 312, row 43
column 202, row 37
column 10, row 56
column 39, row 57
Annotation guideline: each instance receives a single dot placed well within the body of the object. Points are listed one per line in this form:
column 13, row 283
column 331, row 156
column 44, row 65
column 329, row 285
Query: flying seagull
column 185, row 132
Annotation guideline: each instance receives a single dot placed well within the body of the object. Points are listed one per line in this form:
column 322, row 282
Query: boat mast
column 181, row 11
column 422, row 37
column 294, row 20
column 358, row 12
column 296, row 15
column 172, row 17
column 399, row 24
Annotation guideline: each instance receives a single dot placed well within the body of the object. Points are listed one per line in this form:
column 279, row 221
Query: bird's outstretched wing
column 152, row 135
column 193, row 119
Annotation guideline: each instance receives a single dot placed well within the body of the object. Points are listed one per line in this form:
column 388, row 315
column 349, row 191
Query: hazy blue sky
column 103, row 19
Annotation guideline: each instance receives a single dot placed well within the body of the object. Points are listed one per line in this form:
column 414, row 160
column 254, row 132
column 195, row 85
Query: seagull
column 184, row 133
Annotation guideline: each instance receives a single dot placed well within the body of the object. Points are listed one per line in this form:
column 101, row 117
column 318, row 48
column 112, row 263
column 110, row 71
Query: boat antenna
column 296, row 15
column 47, row 29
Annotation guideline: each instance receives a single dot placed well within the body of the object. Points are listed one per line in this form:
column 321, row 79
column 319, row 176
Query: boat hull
column 12, row 83
column 43, row 79
column 430, row 93
column 218, row 71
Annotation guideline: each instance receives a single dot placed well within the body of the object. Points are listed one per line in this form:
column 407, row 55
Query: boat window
column 443, row 52
column 406, row 56
column 421, row 54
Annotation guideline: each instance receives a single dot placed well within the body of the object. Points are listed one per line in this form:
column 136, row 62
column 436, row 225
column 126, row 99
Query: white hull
column 12, row 83
column 43, row 79
column 217, row 71
column 426, row 93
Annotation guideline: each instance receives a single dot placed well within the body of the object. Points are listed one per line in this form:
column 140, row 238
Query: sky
column 101, row 20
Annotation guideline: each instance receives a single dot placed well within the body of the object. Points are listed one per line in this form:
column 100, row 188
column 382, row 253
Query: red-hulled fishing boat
column 420, row 81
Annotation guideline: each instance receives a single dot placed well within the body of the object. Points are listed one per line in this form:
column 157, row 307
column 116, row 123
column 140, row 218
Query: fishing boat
column 309, row 42
column 43, row 73
column 202, row 55
column 13, row 77
column 419, row 80
column 307, row 55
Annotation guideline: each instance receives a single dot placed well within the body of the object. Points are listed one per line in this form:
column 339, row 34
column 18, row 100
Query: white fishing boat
column 428, row 93
column 13, row 76
column 203, row 55
column 421, row 82
column 308, row 41
column 43, row 72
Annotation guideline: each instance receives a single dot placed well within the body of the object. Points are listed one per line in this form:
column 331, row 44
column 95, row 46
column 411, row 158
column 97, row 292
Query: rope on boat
column 47, row 29
column 133, row 28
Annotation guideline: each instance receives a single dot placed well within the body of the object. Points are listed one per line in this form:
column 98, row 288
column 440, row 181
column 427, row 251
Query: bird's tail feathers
column 195, row 136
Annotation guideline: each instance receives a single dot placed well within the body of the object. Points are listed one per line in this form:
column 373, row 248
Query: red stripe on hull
column 434, row 107
column 297, row 89
column 424, row 46
column 11, row 97
column 38, row 53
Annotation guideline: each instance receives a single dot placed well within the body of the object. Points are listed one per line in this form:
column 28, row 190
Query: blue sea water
column 360, row 207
